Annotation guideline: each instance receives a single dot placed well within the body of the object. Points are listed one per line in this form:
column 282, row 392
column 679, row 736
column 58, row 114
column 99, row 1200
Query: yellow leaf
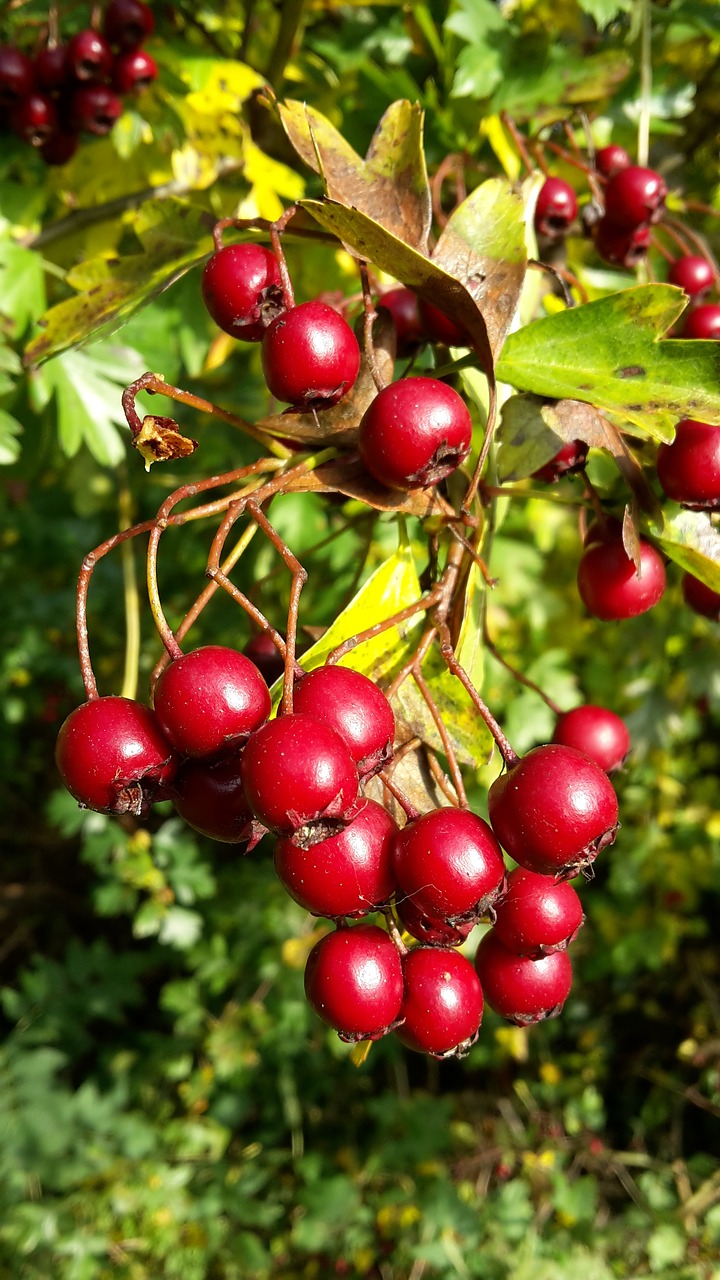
column 493, row 129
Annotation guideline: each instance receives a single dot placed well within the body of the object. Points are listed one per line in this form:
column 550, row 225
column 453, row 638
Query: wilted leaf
column 348, row 476
column 412, row 775
column 692, row 541
column 161, row 440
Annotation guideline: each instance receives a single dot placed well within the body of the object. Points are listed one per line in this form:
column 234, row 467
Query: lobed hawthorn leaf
column 609, row 353
column 390, row 184
column 691, row 540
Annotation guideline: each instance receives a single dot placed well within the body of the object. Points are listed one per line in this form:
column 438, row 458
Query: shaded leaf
column 691, row 540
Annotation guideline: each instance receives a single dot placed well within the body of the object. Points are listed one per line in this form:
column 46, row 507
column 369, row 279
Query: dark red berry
column 310, row 356
column 128, row 23
column 440, row 328
column 611, row 159
column 609, row 584
column 132, row 72
column 693, row 274
column 555, row 209
column 537, row 915
column 449, row 863
column 431, row 929
column 34, row 119
column 112, row 755
column 210, row 700
column 209, row 796
column 300, row 778
column 415, row 432
column 703, row 322
column 88, row 57
column 59, row 148
column 241, row 289
column 94, row 109
column 17, row 76
column 689, row 468
column 352, row 704
column 567, row 461
column 442, row 1006
column 635, row 195
column 349, row 874
column 354, row 981
column 268, row 660
column 554, row 811
column 51, row 68
column 404, row 308
column 619, row 246
column 597, row 731
column 701, row 598
column 518, row 988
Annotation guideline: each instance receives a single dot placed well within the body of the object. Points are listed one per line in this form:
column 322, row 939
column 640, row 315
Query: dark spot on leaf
column 636, row 408
column 631, row 371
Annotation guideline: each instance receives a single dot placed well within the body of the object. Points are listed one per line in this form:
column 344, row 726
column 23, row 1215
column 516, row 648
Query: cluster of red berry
column 66, row 90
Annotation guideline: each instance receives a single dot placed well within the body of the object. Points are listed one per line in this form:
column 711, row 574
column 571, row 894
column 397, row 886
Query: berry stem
column 285, row 281
column 131, row 597
column 154, row 384
column 299, row 578
column 83, row 586
column 446, row 648
column 517, row 675
column 370, row 316
column 441, row 727
column 518, row 140
column 393, row 930
column 406, row 805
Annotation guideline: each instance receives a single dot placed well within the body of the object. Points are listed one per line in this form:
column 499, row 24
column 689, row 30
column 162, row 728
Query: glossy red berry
column 349, row 874
column 520, row 989
column 693, row 274
column 352, row 704
column 635, row 195
column 611, row 159
column 17, row 76
column 415, row 432
column 128, row 23
column 241, row 289
column 210, row 700
column 619, row 246
column 94, row 109
column 34, row 119
column 537, row 915
column 555, row 209
column 51, row 68
column 88, row 56
column 701, row 598
column 299, row 778
column 133, row 72
column 268, row 660
column 703, row 322
column 554, row 811
column 59, row 147
column 443, row 1003
column 403, row 305
column 567, row 461
column 440, row 328
column 354, row 981
column 310, row 356
column 208, row 795
column 449, row 863
column 431, row 930
column 112, row 755
column 609, row 584
column 689, row 468
column 597, row 731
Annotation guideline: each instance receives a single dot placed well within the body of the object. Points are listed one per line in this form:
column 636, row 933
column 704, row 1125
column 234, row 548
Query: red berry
column 241, row 289
column 440, row 328
column 554, row 811
column 403, row 307
column 415, row 432
column 268, row 660
column 355, row 707
column 51, row 68
column 88, row 56
column 611, row 159
column 310, row 356
column 59, row 148
column 567, row 461
column 349, row 874
column 132, row 72
column 209, row 796
column 443, row 1003
column 299, row 778
column 17, row 76
column 354, row 981
column 693, row 274
column 598, row 732
column 619, row 246
column 450, row 864
column 689, row 468
column 210, row 700
column 609, row 584
column 635, row 195
column 431, row 930
column 112, row 755
column 127, row 23
column 34, row 119
column 537, row 915
column 701, row 598
column 703, row 322
column 521, row 989
column 555, row 209
column 94, row 109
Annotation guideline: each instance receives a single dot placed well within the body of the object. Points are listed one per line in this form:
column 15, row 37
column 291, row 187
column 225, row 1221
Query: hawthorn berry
column 34, row 119
column 88, row 56
column 112, row 755
column 134, row 71
column 210, row 700
column 620, row 246
column 127, row 23
column 431, row 930
column 611, row 159
column 354, row 981
column 554, row 811
column 17, row 76
column 537, row 915
column 693, row 274
column 635, row 195
column 440, row 328
column 352, row 704
column 555, row 209
column 689, row 468
column 208, row 795
column 414, row 433
column 403, row 305
column 59, row 147
column 261, row 650
column 51, row 68
column 519, row 988
column 348, row 874
column 567, row 461
column 610, row 586
column 701, row 598
column 442, row 1005
column 310, row 356
column 597, row 731
column 703, row 322
column 94, row 109
column 241, row 289
column 449, row 863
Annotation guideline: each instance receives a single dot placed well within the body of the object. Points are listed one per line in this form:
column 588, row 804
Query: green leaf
column 466, row 729
column 666, row 1247
column 604, row 12
column 607, row 353
column 87, row 387
column 10, row 429
column 692, row 541
column 22, row 285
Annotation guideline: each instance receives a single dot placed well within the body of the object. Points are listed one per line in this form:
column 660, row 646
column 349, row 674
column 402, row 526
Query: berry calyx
column 611, row 159
column 635, row 195
column 241, row 290
column 597, row 731
column 555, row 209
column 442, row 1006
column 567, row 461
column 537, row 915
column 431, row 930
column 689, row 468
column 620, row 246
column 127, row 23
column 521, row 989
column 355, row 707
column 609, row 584
column 112, row 755
column 554, row 811
column 449, row 863
column 134, row 71
column 310, row 356
column 414, row 433
column 693, row 274
column 701, row 598
column 703, row 322
column 349, row 874
column 208, row 795
column 210, row 700
column 300, row 778
column 354, row 982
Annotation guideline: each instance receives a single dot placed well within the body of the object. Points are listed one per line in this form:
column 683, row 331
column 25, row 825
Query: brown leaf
column 160, row 440
column 576, row 420
column 413, row 777
column 348, row 476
